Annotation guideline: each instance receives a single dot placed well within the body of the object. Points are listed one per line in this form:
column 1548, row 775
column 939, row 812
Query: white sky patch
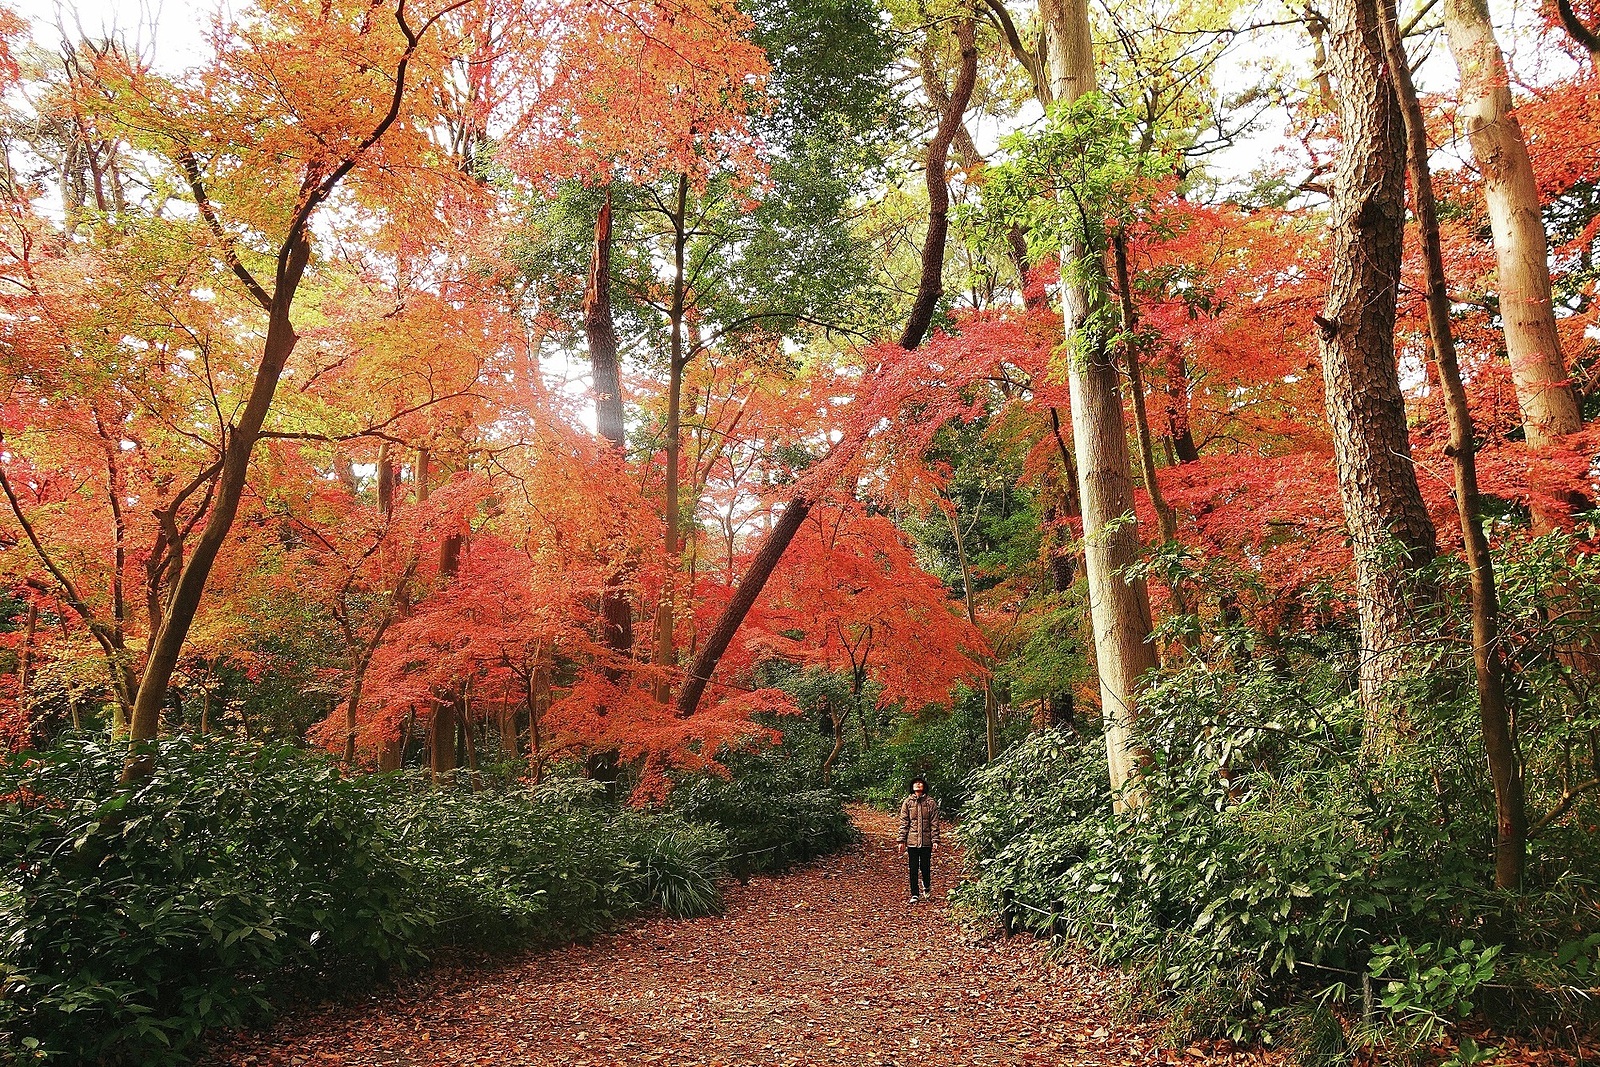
column 172, row 32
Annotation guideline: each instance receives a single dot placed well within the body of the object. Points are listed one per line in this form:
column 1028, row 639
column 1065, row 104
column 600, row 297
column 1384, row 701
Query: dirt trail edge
column 826, row 965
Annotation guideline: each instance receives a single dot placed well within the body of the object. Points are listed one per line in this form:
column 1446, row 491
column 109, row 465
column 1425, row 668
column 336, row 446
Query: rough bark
column 601, row 335
column 1522, row 254
column 1119, row 607
column 1383, row 508
column 442, row 737
column 1511, row 817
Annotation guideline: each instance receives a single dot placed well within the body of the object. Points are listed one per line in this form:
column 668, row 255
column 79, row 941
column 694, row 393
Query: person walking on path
column 919, row 832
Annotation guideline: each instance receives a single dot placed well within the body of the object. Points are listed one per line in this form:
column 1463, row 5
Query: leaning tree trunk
column 1119, row 607
column 240, row 437
column 1522, row 254
column 1389, row 526
column 166, row 644
column 1511, row 816
column 1580, row 32
column 799, row 506
column 930, row 283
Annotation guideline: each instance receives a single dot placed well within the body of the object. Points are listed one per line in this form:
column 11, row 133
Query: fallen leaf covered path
column 825, row 965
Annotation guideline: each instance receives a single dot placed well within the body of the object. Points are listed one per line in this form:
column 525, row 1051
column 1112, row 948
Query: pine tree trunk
column 601, row 334
column 1119, row 607
column 1383, row 508
column 1511, row 817
column 1522, row 255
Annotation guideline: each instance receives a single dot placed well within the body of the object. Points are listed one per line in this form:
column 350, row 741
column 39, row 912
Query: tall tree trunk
column 744, row 598
column 1511, row 817
column 393, row 750
column 1119, row 606
column 1522, row 255
column 601, row 334
column 666, row 611
column 991, row 708
column 1166, row 517
column 442, row 737
column 166, row 645
column 442, row 730
column 510, row 741
column 1383, row 508
column 385, row 480
column 930, row 285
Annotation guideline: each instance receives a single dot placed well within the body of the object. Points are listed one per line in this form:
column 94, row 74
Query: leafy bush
column 678, row 866
column 770, row 809
column 132, row 920
column 943, row 745
column 1273, row 862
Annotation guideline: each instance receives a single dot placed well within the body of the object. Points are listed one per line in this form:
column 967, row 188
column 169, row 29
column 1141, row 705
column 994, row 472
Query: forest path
column 828, row 964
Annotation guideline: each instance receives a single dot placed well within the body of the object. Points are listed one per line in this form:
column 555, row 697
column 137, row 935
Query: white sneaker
column 915, row 899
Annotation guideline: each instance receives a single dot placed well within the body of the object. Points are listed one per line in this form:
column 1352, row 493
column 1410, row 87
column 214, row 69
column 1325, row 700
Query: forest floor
column 828, row 964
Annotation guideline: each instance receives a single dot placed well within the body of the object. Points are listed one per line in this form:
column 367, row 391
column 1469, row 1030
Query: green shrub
column 679, row 865
column 132, row 920
column 770, row 809
column 1273, row 862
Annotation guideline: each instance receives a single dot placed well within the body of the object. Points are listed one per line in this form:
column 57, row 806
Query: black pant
column 920, row 858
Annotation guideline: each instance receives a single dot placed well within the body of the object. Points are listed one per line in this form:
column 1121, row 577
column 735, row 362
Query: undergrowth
column 133, row 921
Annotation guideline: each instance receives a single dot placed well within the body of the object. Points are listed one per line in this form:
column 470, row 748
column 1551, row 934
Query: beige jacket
column 919, row 821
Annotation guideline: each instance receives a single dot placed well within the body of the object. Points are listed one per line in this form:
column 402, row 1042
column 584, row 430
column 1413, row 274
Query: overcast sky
column 173, row 32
